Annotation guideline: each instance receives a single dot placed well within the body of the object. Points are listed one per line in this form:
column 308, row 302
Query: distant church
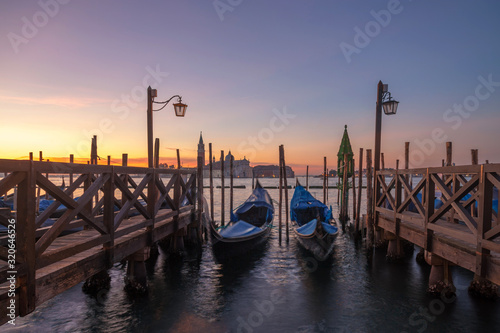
column 241, row 168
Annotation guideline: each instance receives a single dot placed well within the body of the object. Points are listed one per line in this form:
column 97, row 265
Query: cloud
column 61, row 101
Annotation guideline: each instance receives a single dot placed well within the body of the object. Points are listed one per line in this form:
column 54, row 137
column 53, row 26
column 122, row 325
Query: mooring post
column 345, row 193
column 360, row 187
column 369, row 201
column 211, row 176
column 354, row 195
column 307, row 178
column 253, row 179
column 71, row 160
column 222, row 188
column 280, row 205
column 324, row 180
column 201, row 164
column 231, row 184
column 157, row 153
column 285, row 183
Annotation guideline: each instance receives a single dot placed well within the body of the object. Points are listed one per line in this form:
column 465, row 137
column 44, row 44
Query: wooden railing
column 98, row 198
column 455, row 201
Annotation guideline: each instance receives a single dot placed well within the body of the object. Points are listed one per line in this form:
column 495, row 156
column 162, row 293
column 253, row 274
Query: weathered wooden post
column 157, row 153
column 71, row 160
column 360, row 187
column 178, row 159
column 307, row 178
column 280, row 205
column 109, row 159
column 231, row 183
column 324, row 180
column 345, row 191
column 285, row 183
column 25, row 240
column 211, row 176
column 199, row 178
column 354, row 195
column 222, row 188
column 369, row 201
column 253, row 179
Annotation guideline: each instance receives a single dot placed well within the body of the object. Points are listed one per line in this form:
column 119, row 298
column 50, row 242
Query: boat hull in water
column 312, row 224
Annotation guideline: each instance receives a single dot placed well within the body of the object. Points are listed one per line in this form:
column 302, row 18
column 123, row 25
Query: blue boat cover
column 239, row 229
column 258, row 198
column 308, row 228
column 305, row 207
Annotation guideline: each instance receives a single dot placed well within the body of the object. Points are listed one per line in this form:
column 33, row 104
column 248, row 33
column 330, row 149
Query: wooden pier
column 120, row 212
column 448, row 212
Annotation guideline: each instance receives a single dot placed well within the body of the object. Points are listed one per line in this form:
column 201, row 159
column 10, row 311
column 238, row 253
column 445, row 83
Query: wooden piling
column 449, row 153
column 474, row 156
column 231, row 184
column 222, row 188
column 157, row 153
column 360, row 187
column 307, row 178
column 71, row 160
column 178, row 159
column 280, row 204
column 109, row 159
column 253, row 179
column 211, row 176
column 324, row 180
column 382, row 161
column 353, row 194
column 285, row 183
column 369, row 201
column 345, row 195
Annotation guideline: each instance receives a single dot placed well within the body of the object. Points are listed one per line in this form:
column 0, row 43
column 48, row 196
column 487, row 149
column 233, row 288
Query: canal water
column 275, row 289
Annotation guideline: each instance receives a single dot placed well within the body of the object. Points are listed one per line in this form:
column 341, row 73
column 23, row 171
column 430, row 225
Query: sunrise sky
column 255, row 74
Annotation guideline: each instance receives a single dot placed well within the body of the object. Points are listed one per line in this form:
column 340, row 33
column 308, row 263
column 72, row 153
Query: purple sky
column 255, row 74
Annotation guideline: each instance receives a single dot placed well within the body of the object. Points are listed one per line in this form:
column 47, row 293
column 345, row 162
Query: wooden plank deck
column 131, row 236
column 454, row 214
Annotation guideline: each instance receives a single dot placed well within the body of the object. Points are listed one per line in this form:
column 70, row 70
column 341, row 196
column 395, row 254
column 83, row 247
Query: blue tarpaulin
column 257, row 209
column 304, row 207
column 308, row 228
column 239, row 229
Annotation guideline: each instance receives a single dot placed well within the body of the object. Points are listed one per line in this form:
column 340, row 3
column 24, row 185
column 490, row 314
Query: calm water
column 277, row 289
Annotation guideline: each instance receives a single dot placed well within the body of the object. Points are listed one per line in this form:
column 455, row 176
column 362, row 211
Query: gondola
column 249, row 227
column 312, row 224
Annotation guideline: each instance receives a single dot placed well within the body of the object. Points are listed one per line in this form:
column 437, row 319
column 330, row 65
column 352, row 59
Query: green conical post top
column 345, row 148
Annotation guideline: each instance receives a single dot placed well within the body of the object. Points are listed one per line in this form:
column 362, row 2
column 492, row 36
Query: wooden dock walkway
column 113, row 218
column 451, row 213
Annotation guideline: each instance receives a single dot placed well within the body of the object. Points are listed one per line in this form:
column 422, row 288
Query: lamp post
column 180, row 111
column 390, row 106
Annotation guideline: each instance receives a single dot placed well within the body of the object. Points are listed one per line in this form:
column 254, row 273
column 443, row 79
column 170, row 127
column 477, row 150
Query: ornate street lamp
column 180, row 111
column 390, row 106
